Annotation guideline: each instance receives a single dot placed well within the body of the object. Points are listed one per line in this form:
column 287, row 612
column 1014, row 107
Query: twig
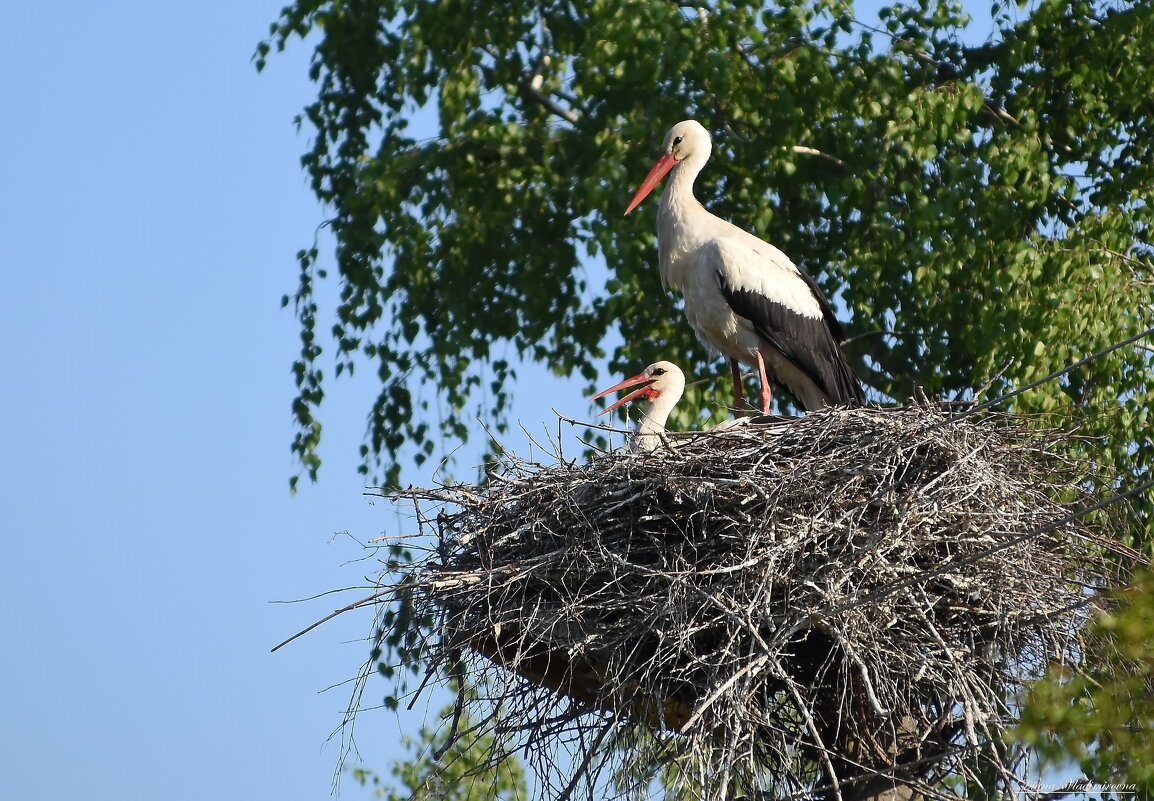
column 368, row 599
column 1056, row 374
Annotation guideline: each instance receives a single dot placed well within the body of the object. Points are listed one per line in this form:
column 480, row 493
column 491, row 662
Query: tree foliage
column 966, row 203
column 460, row 774
column 1101, row 717
column 975, row 208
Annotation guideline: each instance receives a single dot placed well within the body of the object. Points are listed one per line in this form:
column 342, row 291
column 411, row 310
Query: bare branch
column 529, row 88
column 809, row 151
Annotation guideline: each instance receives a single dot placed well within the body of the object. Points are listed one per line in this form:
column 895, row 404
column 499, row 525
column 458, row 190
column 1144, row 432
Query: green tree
column 1101, row 717
column 460, row 774
column 969, row 205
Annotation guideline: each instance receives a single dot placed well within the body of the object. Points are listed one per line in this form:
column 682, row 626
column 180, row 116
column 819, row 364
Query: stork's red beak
column 660, row 168
column 645, row 391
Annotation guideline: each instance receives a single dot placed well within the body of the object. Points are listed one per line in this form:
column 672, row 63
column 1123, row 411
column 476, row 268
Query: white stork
column 663, row 384
column 743, row 296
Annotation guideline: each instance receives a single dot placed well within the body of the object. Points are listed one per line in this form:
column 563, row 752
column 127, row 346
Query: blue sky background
column 151, row 203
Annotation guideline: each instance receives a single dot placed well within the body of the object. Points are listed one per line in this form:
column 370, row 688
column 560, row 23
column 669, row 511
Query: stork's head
column 687, row 140
column 660, row 382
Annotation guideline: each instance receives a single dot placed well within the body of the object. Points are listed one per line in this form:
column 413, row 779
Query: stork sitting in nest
column 662, row 383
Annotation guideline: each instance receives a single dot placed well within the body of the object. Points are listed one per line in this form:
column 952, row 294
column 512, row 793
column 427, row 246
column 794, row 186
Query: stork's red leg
column 738, row 394
column 766, row 395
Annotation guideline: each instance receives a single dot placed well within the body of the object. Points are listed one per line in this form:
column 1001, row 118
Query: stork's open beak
column 645, row 391
column 660, row 168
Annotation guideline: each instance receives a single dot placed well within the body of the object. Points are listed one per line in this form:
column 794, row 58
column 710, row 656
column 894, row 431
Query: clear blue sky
column 151, row 202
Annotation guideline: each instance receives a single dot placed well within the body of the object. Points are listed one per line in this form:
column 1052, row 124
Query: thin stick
column 354, row 605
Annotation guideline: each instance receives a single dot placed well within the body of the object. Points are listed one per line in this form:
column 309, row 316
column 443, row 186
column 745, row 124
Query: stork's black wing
column 810, row 343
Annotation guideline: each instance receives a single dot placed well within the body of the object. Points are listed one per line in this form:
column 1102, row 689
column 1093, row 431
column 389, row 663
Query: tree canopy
column 977, row 207
column 1101, row 718
column 969, row 205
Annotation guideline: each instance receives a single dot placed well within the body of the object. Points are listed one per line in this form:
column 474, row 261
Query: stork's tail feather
column 847, row 388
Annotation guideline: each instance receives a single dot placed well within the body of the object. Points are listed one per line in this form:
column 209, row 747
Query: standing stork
column 663, row 384
column 743, row 296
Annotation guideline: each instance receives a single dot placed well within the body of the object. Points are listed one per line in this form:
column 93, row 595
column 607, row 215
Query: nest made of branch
column 849, row 597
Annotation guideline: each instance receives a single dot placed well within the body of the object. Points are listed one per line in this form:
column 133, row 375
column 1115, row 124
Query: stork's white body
column 743, row 296
column 694, row 246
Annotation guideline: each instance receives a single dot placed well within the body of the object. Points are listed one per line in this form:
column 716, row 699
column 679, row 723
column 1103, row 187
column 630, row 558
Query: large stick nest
column 828, row 606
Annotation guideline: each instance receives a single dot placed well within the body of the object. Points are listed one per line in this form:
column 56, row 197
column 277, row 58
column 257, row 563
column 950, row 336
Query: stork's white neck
column 652, row 425
column 682, row 222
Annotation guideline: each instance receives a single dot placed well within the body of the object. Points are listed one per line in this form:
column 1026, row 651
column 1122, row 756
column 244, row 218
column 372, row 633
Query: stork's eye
column 659, row 371
column 676, row 141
